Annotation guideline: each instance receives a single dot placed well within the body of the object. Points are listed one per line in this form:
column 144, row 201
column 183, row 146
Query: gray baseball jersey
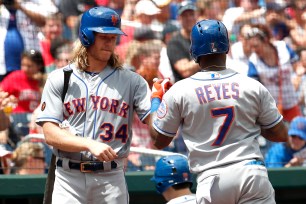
column 221, row 115
column 185, row 199
column 99, row 107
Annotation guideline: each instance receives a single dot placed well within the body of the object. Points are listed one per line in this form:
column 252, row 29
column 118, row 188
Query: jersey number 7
column 228, row 113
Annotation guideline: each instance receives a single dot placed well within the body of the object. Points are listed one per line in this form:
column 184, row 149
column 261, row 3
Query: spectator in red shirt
column 24, row 84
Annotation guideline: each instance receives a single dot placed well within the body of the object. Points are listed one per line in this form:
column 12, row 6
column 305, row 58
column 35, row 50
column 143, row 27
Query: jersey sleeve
column 168, row 118
column 269, row 115
column 51, row 106
column 142, row 99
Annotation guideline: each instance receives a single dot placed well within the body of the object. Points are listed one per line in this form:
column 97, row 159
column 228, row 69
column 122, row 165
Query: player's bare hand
column 103, row 152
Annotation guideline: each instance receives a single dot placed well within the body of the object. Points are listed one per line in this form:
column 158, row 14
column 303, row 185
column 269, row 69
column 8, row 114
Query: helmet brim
column 108, row 30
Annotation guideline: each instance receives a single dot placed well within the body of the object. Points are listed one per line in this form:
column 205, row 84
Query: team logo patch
column 114, row 19
column 213, row 48
column 162, row 110
column 43, row 106
column 215, row 75
column 185, row 176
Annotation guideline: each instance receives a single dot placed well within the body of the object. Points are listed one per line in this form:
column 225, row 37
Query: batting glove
column 159, row 88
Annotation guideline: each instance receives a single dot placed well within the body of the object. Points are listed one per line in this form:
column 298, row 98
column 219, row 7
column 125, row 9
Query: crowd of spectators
column 268, row 43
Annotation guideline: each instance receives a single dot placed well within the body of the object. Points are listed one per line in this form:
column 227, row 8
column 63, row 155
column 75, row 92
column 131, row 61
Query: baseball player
column 221, row 113
column 173, row 179
column 98, row 112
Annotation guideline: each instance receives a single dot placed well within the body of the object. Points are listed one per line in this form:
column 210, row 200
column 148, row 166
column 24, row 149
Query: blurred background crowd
column 268, row 43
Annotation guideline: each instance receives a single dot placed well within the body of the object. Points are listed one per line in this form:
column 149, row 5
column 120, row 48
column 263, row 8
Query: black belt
column 86, row 167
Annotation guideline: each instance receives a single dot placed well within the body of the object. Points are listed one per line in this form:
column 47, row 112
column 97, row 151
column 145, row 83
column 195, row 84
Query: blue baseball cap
column 298, row 127
column 186, row 5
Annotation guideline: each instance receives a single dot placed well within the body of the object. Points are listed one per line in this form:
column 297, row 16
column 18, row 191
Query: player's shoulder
column 129, row 75
column 181, row 88
column 225, row 76
column 191, row 199
column 56, row 73
column 128, row 72
column 56, row 77
column 248, row 81
column 60, row 71
column 212, row 76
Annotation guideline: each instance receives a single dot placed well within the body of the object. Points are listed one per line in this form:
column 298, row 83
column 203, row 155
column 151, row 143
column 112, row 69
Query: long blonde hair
column 26, row 150
column 80, row 57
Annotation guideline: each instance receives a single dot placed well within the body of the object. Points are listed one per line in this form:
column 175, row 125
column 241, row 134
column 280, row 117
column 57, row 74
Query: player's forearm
column 148, row 120
column 64, row 140
column 156, row 136
column 278, row 133
column 160, row 141
column 159, row 145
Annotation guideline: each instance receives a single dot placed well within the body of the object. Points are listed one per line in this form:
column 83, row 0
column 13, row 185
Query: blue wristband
column 155, row 102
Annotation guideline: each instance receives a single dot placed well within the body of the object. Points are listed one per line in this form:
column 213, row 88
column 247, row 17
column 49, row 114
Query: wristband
column 155, row 102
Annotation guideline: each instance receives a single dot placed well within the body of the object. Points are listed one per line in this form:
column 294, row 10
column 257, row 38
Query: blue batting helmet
column 101, row 20
column 171, row 170
column 208, row 37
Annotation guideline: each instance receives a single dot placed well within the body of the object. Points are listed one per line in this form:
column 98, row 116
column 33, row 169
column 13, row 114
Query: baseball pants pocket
column 203, row 193
column 256, row 189
column 235, row 184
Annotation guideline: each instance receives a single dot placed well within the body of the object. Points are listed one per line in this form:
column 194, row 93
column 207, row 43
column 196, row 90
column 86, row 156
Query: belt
column 256, row 162
column 86, row 167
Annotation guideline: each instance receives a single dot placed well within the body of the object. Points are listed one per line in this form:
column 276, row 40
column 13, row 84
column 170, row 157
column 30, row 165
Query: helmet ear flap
column 87, row 37
column 193, row 55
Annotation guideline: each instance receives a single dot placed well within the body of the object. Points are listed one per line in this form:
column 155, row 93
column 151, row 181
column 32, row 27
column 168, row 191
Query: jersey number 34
column 109, row 134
